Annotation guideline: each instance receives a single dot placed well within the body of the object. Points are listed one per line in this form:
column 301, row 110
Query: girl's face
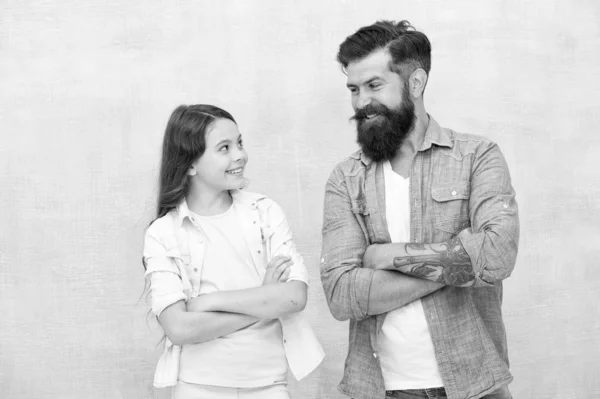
column 221, row 167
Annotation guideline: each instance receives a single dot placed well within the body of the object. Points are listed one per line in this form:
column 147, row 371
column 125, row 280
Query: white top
column 405, row 346
column 252, row 356
column 174, row 268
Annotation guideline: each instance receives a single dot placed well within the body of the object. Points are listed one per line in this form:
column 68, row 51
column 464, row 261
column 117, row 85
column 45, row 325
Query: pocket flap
column 453, row 191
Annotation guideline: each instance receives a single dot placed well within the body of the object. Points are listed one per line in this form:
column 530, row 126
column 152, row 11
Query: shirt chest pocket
column 451, row 206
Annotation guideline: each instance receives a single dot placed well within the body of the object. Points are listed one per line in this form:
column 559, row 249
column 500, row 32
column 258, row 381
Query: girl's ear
column 192, row 171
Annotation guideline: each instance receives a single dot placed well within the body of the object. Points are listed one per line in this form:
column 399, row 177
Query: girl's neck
column 207, row 203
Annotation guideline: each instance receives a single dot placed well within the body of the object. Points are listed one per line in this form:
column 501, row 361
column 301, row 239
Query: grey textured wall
column 85, row 92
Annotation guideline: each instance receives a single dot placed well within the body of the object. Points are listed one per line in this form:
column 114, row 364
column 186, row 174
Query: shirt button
column 453, row 192
column 284, row 341
column 258, row 251
column 195, row 269
column 375, row 355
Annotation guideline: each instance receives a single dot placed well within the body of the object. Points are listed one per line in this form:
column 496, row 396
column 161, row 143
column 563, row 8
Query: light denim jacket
column 457, row 182
column 174, row 268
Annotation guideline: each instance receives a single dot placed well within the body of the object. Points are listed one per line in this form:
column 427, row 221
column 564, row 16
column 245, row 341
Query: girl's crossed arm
column 273, row 299
column 212, row 316
column 185, row 327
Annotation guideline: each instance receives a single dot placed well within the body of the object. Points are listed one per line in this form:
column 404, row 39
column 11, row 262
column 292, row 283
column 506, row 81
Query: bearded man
column 420, row 227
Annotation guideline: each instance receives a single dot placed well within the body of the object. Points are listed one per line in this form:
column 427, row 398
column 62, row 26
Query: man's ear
column 417, row 82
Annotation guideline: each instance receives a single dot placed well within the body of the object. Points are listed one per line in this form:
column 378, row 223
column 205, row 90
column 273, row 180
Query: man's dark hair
column 409, row 48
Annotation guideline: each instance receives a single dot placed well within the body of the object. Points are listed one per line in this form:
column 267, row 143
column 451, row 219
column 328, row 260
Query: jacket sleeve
column 166, row 287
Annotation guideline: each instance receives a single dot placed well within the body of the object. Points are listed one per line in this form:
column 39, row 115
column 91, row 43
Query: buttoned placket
column 262, row 258
column 375, row 192
column 256, row 220
column 251, row 226
column 196, row 244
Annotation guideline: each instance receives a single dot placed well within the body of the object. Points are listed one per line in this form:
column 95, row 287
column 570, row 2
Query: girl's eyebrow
column 222, row 142
column 227, row 140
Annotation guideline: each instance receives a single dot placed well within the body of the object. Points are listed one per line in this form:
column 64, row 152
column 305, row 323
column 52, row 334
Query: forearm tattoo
column 446, row 263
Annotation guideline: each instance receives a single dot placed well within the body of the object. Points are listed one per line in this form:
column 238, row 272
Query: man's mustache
column 370, row 109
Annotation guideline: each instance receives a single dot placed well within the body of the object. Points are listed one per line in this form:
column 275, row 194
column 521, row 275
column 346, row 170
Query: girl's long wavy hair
column 184, row 142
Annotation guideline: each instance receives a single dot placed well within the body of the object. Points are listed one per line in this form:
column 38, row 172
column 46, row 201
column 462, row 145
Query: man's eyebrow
column 349, row 85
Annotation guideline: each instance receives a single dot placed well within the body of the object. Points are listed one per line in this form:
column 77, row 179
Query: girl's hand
column 278, row 270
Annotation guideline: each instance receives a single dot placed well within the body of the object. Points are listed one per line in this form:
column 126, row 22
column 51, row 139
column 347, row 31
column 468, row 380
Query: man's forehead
column 375, row 64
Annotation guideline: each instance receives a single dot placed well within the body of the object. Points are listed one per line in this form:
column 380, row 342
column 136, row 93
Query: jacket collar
column 241, row 198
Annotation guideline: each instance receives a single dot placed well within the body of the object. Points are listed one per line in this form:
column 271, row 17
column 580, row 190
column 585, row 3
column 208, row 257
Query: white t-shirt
column 406, row 349
column 253, row 356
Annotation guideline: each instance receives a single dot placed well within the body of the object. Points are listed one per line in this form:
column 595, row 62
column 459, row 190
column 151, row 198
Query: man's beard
column 382, row 136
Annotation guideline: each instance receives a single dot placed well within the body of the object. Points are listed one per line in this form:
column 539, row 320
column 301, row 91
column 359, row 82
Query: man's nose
column 363, row 101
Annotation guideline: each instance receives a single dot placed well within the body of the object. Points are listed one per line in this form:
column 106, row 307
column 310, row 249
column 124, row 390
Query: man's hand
column 378, row 256
column 369, row 257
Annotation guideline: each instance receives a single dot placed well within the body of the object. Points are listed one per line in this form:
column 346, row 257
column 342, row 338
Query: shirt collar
column 433, row 135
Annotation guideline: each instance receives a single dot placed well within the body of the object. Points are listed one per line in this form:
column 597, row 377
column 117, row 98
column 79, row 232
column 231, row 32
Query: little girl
column 226, row 282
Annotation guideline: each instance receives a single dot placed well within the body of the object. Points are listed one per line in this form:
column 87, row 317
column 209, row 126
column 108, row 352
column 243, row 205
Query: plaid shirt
column 457, row 181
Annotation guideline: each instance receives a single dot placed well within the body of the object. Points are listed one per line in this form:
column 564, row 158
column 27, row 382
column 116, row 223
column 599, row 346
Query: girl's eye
column 225, row 148
column 241, row 143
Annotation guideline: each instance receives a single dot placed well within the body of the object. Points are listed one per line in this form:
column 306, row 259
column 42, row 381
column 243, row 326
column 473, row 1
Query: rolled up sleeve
column 345, row 282
column 492, row 241
column 166, row 287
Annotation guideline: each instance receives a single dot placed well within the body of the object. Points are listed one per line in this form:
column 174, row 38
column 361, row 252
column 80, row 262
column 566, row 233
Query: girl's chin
column 237, row 183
